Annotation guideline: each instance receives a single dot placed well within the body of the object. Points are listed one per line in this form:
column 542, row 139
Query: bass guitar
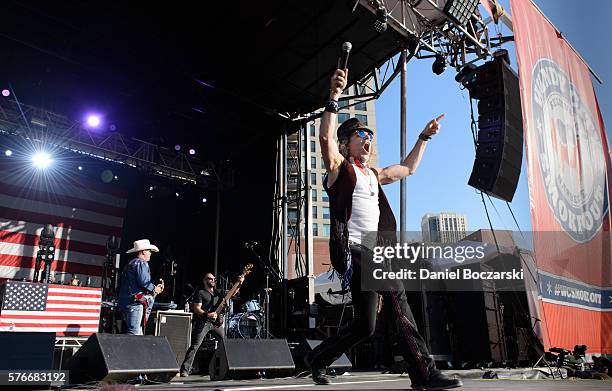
column 231, row 293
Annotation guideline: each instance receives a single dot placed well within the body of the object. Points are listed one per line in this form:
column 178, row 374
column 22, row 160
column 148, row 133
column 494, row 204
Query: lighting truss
column 43, row 127
column 460, row 39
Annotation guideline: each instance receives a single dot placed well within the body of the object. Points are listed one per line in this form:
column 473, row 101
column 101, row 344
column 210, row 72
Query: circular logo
column 570, row 152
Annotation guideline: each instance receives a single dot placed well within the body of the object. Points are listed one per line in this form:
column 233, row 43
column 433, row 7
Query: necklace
column 370, row 182
column 368, row 174
column 370, row 177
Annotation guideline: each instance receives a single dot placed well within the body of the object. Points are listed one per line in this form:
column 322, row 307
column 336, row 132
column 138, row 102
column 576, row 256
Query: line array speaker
column 499, row 149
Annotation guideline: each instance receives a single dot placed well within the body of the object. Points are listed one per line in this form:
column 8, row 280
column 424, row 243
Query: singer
column 358, row 205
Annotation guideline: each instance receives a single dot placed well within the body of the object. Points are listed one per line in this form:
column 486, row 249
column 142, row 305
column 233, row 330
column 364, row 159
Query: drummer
column 203, row 306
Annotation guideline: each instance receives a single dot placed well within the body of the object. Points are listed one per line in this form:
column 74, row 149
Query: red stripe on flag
column 41, row 218
column 83, row 183
column 46, row 325
column 10, row 170
column 91, row 295
column 64, row 266
column 59, row 317
column 90, row 310
column 60, row 243
column 60, row 199
column 51, row 301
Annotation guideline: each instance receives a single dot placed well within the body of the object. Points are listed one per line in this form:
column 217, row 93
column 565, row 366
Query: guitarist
column 203, row 306
column 136, row 282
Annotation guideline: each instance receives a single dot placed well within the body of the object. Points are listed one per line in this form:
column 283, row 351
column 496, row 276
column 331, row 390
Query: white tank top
column 365, row 212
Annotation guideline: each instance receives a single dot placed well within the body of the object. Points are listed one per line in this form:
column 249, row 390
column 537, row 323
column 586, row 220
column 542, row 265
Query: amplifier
column 176, row 327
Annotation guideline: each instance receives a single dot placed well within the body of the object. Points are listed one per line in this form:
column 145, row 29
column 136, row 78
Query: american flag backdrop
column 83, row 211
column 65, row 310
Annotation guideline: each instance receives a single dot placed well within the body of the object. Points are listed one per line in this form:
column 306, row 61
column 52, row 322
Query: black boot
column 438, row 381
column 318, row 374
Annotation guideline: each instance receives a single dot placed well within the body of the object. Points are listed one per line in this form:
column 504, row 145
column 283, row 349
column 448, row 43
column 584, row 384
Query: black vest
column 340, row 205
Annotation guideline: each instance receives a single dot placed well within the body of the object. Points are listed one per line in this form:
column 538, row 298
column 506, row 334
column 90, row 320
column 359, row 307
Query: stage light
column 177, row 147
column 177, row 194
column 204, row 200
column 380, row 24
column 8, row 152
column 6, row 92
column 439, row 66
column 467, row 75
column 45, row 253
column 116, row 177
column 113, row 127
column 80, row 168
column 192, row 151
column 151, row 188
column 460, row 11
column 41, row 160
column 93, row 120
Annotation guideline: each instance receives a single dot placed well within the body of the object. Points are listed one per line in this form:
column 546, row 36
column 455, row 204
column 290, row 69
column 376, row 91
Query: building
column 501, row 237
column 444, row 227
column 365, row 112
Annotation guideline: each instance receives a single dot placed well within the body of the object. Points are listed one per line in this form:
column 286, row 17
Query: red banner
column 568, row 168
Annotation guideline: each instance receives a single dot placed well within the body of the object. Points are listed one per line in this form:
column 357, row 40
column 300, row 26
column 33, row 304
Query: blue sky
column 440, row 183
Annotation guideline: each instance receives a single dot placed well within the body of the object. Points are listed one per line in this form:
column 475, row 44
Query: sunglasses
column 365, row 134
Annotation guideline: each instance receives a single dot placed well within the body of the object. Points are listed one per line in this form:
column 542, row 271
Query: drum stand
column 267, row 271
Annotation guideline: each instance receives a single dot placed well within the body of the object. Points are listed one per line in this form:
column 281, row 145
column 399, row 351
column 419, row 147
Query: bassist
column 204, row 307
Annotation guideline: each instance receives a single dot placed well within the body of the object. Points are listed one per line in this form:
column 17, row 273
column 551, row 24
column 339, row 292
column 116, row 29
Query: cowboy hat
column 143, row 244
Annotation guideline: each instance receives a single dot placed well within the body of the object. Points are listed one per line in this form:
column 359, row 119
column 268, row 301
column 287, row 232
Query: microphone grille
column 347, row 46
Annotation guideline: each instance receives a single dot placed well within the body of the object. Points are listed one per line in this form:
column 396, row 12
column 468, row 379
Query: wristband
column 332, row 106
column 424, row 137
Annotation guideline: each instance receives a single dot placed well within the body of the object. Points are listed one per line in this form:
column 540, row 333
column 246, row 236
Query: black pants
column 414, row 349
column 200, row 329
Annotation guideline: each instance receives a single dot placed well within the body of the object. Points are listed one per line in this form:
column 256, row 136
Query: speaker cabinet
column 248, row 358
column 118, row 357
column 176, row 326
column 499, row 148
column 26, row 350
column 339, row 366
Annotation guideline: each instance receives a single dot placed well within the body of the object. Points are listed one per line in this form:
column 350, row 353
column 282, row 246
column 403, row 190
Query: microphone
column 343, row 60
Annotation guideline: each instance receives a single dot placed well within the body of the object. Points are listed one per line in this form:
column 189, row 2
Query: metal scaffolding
column 44, row 128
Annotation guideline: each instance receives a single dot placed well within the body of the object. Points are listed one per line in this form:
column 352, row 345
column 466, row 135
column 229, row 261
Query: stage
column 375, row 381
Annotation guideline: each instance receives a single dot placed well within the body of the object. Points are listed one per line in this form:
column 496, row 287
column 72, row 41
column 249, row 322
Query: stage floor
column 373, row 381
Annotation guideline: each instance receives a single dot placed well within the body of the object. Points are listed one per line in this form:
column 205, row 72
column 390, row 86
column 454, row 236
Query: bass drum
column 244, row 326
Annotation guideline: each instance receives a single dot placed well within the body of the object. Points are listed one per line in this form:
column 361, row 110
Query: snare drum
column 251, row 306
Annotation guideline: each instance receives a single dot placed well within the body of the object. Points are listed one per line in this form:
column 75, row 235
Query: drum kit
column 248, row 323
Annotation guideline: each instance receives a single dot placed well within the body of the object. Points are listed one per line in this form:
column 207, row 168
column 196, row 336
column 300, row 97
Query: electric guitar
column 231, row 293
column 147, row 301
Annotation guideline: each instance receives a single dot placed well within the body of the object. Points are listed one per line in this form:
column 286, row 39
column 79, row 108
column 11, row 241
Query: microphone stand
column 229, row 309
column 267, row 269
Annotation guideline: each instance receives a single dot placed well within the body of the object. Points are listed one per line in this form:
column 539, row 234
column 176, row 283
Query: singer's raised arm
column 329, row 148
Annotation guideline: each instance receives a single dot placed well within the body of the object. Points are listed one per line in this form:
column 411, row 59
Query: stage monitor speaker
column 176, row 326
column 339, row 366
column 26, row 351
column 119, row 357
column 248, row 358
column 499, row 148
